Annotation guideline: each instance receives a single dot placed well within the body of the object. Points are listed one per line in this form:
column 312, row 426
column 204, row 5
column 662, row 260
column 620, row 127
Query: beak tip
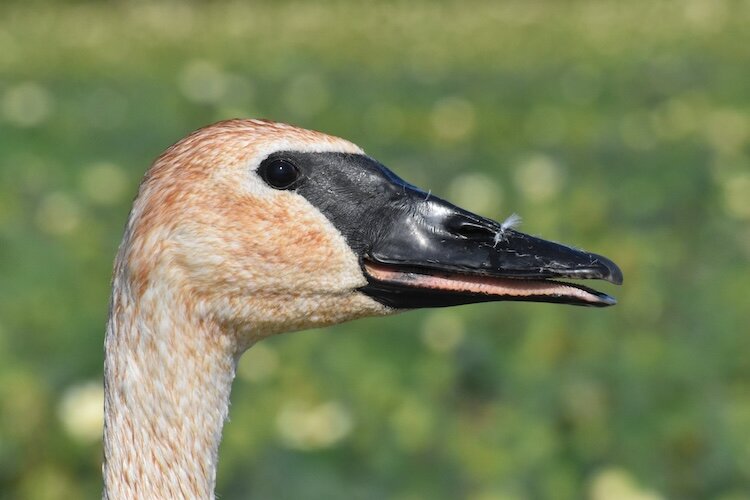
column 610, row 271
column 608, row 300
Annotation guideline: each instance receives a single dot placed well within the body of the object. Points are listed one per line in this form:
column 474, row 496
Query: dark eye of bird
column 279, row 174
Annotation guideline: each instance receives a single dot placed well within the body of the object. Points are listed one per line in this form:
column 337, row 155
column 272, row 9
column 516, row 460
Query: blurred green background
column 620, row 127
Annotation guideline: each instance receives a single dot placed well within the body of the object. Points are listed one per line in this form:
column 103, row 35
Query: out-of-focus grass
column 622, row 127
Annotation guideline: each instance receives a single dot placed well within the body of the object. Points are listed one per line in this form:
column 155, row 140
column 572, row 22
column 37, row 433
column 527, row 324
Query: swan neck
column 168, row 377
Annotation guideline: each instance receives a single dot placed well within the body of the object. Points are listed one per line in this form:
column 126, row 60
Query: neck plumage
column 168, row 376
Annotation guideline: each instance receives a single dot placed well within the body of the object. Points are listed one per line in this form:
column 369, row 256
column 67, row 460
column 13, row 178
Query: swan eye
column 279, row 174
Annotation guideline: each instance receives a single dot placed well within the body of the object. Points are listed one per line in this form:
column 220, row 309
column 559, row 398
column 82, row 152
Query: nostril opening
column 471, row 230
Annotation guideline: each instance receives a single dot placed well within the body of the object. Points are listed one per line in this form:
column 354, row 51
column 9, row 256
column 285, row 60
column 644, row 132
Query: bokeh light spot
column 104, row 183
column 539, row 178
column 737, row 195
column 618, row 484
column 27, row 104
column 258, row 364
column 310, row 427
column 476, row 192
column 709, row 15
column 81, row 411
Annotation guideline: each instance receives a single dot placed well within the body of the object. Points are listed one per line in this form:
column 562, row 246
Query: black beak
column 436, row 254
column 417, row 250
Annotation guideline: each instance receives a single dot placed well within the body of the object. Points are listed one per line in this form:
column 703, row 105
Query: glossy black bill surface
column 418, row 250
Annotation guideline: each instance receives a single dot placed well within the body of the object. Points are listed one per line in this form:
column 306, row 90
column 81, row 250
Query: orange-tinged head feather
column 260, row 260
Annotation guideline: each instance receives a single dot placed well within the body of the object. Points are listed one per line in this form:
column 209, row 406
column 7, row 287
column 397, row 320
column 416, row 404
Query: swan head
column 264, row 227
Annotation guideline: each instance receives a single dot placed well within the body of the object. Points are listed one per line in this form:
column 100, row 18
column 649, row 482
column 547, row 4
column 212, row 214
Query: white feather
column 510, row 223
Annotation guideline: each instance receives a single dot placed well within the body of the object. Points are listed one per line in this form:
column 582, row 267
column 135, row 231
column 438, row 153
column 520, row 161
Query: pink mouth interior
column 506, row 287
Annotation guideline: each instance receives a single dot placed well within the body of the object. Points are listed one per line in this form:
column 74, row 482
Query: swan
column 248, row 228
